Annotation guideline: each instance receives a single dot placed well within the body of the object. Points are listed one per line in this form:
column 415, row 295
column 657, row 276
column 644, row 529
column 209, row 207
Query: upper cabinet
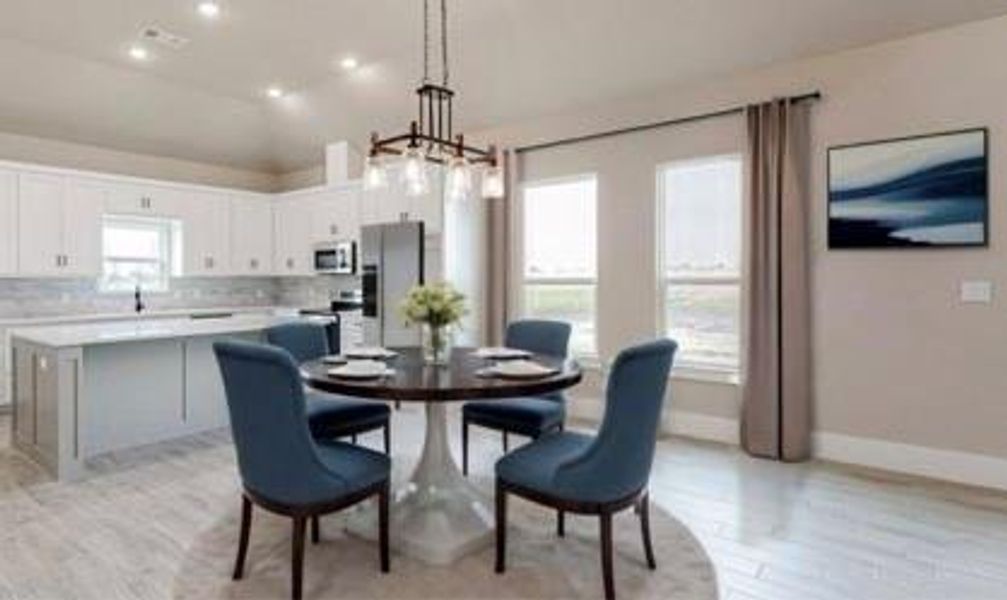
column 59, row 225
column 8, row 223
column 206, row 245
column 144, row 200
column 335, row 214
column 251, row 236
column 391, row 204
column 292, row 236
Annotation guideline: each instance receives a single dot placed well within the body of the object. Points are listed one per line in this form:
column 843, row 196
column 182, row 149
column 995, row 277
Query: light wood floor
column 774, row 532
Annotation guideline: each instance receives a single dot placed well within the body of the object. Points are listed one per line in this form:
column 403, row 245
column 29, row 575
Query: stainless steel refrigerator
column 392, row 262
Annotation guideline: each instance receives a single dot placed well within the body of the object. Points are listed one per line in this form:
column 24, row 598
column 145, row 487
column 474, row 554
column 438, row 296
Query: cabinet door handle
column 255, row 264
column 59, row 260
column 333, row 229
column 290, row 263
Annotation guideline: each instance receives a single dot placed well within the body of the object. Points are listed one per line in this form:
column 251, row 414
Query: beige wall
column 56, row 153
column 897, row 356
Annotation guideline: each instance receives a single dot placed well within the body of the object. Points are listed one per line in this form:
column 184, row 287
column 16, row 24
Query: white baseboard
column 948, row 465
column 702, row 427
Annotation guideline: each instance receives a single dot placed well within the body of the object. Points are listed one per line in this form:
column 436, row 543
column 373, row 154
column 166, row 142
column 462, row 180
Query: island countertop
column 115, row 332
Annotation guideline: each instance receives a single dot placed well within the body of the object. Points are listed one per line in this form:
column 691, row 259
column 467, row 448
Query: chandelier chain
column 426, row 41
column 444, row 40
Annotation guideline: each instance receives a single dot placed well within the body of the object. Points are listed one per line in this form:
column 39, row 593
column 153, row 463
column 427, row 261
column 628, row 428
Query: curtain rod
column 816, row 95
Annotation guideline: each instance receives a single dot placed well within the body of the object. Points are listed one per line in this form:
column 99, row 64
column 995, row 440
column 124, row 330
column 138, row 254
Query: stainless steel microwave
column 336, row 258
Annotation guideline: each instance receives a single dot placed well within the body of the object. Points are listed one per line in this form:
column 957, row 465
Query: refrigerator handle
column 369, row 290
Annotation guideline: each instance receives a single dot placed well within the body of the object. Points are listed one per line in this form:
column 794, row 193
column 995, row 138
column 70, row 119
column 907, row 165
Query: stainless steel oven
column 336, row 258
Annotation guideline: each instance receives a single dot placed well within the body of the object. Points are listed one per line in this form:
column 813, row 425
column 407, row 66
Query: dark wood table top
column 415, row 381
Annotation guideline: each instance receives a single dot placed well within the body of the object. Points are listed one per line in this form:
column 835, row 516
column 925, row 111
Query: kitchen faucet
column 138, row 299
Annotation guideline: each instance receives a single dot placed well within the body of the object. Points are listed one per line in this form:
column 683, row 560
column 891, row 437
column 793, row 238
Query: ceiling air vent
column 157, row 35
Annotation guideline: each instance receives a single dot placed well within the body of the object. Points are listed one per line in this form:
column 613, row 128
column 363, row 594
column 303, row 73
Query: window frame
column 168, row 230
column 693, row 369
column 524, row 280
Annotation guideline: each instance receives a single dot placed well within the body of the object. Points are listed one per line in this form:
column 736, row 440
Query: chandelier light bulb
column 459, row 179
column 493, row 183
column 375, row 175
column 414, row 172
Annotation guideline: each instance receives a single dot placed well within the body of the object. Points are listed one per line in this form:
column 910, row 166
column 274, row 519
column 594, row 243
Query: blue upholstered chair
column 329, row 416
column 283, row 468
column 601, row 474
column 531, row 417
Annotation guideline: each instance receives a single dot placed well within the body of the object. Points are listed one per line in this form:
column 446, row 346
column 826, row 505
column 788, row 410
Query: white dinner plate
column 334, row 359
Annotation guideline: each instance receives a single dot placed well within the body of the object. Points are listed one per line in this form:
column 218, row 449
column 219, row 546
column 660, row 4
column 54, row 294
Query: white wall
column 897, row 357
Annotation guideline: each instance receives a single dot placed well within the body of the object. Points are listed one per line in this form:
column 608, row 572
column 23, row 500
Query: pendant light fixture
column 431, row 138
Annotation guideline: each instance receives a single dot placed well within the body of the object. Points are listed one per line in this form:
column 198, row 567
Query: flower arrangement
column 437, row 307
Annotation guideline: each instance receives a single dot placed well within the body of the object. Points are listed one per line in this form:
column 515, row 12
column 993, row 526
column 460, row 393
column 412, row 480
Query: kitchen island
column 80, row 391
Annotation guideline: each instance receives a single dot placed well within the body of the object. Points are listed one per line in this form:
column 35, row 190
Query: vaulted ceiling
column 66, row 73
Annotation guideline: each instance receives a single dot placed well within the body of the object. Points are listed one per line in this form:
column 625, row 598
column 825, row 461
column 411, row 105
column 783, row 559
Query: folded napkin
column 518, row 369
column 370, row 352
column 362, row 369
column 501, row 352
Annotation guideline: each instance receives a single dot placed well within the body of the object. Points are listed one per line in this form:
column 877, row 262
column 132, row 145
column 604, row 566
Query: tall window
column 138, row 251
column 700, row 229
column 560, row 255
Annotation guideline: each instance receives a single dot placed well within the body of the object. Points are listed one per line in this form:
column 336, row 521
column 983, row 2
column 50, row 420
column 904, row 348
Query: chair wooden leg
column 297, row 558
column 644, row 511
column 560, row 523
column 246, row 527
column 316, row 533
column 505, row 444
column 606, row 555
column 465, row 447
column 388, row 438
column 383, row 527
column 501, row 526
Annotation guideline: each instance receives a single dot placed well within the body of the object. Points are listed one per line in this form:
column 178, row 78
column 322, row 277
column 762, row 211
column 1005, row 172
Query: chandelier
column 431, row 138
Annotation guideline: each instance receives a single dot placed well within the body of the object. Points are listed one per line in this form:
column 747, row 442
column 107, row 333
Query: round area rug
column 539, row 564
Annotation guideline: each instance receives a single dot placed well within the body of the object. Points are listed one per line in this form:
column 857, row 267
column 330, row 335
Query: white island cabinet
column 81, row 391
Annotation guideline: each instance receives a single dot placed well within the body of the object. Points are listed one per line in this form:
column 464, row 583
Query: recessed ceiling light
column 137, row 52
column 274, row 92
column 209, row 9
column 349, row 63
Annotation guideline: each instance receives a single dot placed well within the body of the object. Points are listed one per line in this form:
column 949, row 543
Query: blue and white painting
column 916, row 192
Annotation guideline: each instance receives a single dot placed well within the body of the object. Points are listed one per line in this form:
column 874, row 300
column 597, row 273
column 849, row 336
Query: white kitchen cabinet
column 144, row 200
column 59, row 225
column 40, row 221
column 82, row 227
column 8, row 223
column 391, row 204
column 335, row 215
column 206, row 239
column 251, row 236
column 292, row 236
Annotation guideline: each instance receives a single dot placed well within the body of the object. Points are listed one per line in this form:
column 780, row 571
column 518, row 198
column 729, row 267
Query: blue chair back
column 265, row 397
column 618, row 462
column 551, row 338
column 303, row 340
column 541, row 336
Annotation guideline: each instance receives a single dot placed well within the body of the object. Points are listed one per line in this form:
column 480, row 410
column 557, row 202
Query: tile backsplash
column 315, row 292
column 27, row 298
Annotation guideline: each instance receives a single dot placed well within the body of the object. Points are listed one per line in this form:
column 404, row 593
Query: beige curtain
column 776, row 397
column 498, row 253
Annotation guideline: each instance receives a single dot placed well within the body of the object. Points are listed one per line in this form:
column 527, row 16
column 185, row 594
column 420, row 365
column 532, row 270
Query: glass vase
column 437, row 344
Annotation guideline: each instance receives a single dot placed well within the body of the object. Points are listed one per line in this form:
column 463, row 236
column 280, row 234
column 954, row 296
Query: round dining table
column 439, row 515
